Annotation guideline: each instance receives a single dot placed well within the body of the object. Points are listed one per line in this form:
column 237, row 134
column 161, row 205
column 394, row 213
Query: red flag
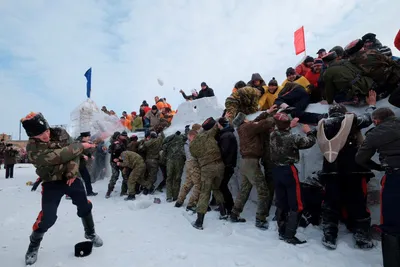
column 299, row 41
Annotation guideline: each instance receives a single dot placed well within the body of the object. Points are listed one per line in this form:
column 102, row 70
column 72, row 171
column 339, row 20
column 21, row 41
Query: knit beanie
column 35, row 124
column 273, row 82
column 290, row 71
column 239, row 119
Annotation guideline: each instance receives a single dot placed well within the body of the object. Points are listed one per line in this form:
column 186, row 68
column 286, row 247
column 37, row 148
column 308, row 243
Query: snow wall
column 197, row 111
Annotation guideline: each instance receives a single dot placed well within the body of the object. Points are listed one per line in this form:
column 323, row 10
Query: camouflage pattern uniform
column 173, row 149
column 344, row 81
column 205, row 148
column 151, row 149
column 244, row 100
column 115, row 149
column 136, row 169
column 192, row 181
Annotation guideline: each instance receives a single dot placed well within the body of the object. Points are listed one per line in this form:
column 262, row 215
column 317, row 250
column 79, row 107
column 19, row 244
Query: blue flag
column 88, row 75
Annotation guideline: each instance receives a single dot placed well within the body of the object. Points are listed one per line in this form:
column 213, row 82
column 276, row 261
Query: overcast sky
column 46, row 47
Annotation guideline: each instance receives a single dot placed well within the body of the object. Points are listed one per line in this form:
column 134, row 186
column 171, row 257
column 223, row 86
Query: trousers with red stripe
column 390, row 201
column 52, row 194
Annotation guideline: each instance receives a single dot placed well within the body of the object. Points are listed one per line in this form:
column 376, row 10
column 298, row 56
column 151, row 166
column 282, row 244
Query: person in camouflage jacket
column 243, row 100
column 136, row 169
column 118, row 145
column 173, row 150
column 206, row 150
column 58, row 168
column 284, row 148
column 10, row 159
column 151, row 149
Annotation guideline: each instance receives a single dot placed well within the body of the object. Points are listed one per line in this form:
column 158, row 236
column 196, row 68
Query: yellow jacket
column 267, row 99
column 300, row 81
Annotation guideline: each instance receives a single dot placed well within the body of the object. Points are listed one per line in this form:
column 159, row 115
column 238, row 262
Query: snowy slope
column 145, row 234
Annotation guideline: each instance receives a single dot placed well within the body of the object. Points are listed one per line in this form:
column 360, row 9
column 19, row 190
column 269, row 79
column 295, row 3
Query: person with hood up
column 251, row 148
column 152, row 117
column 284, row 148
column 205, row 149
column 257, row 82
column 229, row 146
column 384, row 139
column 137, row 122
column 339, row 137
column 245, row 99
column 293, row 77
column 10, row 159
column 205, row 91
column 305, row 66
column 271, row 94
column 58, row 168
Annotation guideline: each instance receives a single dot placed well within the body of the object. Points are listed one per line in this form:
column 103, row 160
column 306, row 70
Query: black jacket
column 345, row 162
column 116, row 148
column 208, row 92
column 384, row 138
column 228, row 145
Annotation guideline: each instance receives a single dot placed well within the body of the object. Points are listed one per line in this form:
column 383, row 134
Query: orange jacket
column 312, row 77
column 302, row 69
column 160, row 105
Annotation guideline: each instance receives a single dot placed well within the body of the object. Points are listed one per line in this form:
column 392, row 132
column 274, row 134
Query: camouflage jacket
column 285, row 146
column 133, row 146
column 173, row 147
column 151, row 148
column 345, row 78
column 10, row 156
column 131, row 160
column 205, row 148
column 244, row 100
column 52, row 161
column 2, row 148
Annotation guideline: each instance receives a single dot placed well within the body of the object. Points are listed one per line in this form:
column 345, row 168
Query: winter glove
column 35, row 185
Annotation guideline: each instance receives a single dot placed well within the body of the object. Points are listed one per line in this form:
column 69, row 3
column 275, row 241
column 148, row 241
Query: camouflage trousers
column 211, row 177
column 151, row 173
column 270, row 184
column 136, row 175
column 114, row 178
column 174, row 177
column 252, row 175
column 192, row 181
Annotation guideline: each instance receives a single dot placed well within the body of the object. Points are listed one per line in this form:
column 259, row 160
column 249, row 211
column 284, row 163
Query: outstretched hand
column 88, row 145
column 294, row 122
column 70, row 181
column 371, row 98
column 306, row 128
column 272, row 109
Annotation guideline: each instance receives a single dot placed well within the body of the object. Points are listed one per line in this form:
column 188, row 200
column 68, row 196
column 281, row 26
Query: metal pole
column 20, row 124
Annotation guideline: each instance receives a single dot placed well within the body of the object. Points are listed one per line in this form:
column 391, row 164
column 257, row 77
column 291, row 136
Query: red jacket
column 397, row 41
column 302, row 69
column 312, row 77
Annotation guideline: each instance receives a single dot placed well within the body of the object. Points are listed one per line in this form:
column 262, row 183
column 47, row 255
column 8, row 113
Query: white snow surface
column 141, row 233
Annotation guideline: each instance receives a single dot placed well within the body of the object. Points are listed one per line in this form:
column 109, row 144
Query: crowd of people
column 359, row 74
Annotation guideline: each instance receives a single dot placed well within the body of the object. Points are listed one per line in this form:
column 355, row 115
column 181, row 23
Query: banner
column 88, row 75
column 299, row 41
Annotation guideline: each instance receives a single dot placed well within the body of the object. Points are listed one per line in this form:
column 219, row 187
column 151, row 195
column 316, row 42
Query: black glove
column 35, row 185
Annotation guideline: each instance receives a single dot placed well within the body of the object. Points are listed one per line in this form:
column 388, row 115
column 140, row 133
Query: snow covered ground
column 144, row 234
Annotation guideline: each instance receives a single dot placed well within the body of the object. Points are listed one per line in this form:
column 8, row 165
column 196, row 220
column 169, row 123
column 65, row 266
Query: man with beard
column 339, row 138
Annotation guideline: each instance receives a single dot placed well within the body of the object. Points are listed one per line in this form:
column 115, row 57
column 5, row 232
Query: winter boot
column 281, row 218
column 31, row 254
column 138, row 189
column 361, row 234
column 236, row 218
column 178, row 204
column 152, row 189
column 90, row 234
column 124, row 189
column 291, row 228
column 390, row 250
column 198, row 224
column 329, row 241
column 222, row 212
column 109, row 191
column 262, row 224
column 191, row 208
column 145, row 191
column 170, row 199
column 92, row 194
column 130, row 197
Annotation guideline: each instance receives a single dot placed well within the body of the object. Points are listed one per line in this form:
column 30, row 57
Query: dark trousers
column 287, row 188
column 86, row 178
column 229, row 171
column 9, row 170
column 52, row 193
column 346, row 197
column 163, row 169
column 390, row 199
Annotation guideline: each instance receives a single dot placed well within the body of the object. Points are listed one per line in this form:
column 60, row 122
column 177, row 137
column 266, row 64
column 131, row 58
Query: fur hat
column 282, row 121
column 239, row 119
column 369, row 37
column 35, row 124
column 208, row 124
column 85, row 134
column 329, row 57
column 196, row 127
column 337, row 109
column 83, row 249
column 339, row 50
column 354, row 47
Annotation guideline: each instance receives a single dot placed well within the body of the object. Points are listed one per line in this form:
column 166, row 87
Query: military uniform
column 136, row 170
column 173, row 149
column 245, row 100
column 58, row 168
column 205, row 149
column 10, row 159
column 115, row 149
column 151, row 149
column 284, row 147
column 192, row 181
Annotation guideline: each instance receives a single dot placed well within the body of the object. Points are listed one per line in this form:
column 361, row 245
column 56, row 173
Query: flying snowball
column 160, row 82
